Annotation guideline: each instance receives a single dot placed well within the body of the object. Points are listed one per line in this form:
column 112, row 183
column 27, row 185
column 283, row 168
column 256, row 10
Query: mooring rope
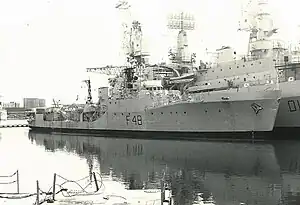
column 81, row 191
column 9, row 182
column 9, row 175
column 71, row 193
column 18, row 197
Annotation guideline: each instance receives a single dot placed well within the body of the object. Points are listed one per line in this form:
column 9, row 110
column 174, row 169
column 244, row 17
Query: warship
column 177, row 99
column 259, row 24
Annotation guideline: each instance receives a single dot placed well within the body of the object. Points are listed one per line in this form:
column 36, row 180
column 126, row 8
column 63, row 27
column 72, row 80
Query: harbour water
column 223, row 172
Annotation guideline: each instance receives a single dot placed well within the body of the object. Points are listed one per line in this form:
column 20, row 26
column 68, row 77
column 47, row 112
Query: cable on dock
column 49, row 197
column 72, row 192
column 9, row 175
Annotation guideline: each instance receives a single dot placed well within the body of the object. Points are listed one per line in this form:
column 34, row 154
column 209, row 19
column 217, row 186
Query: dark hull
column 214, row 136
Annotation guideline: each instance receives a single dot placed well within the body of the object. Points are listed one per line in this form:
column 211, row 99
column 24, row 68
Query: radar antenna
column 182, row 21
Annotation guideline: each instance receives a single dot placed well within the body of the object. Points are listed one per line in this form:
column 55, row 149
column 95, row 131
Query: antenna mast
column 260, row 25
column 183, row 22
column 124, row 7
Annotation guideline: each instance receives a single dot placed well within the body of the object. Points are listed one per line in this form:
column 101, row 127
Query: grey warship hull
column 229, row 111
column 289, row 109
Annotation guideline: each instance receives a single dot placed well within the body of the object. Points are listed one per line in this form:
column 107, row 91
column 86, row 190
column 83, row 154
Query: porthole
column 151, row 113
column 184, row 112
column 161, row 113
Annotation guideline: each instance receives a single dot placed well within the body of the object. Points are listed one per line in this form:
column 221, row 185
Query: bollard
column 18, row 182
column 162, row 188
column 37, row 193
column 53, row 191
column 96, row 182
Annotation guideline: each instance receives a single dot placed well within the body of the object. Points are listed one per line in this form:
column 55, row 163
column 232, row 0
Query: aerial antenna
column 182, row 22
column 124, row 7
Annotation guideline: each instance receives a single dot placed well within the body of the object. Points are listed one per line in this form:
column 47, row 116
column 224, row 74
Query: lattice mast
column 134, row 56
column 181, row 22
column 257, row 20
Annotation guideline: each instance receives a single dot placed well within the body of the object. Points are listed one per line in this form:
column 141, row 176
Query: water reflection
column 230, row 173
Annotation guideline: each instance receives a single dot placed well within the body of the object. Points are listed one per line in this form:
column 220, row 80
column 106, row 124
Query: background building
column 11, row 104
column 34, row 102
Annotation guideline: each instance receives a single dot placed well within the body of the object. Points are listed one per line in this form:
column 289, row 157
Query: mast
column 89, row 97
column 183, row 22
column 259, row 23
column 132, row 47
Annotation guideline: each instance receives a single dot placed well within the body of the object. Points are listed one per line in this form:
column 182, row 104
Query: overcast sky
column 45, row 45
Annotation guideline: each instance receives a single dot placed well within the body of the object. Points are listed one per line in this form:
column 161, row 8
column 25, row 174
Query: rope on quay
column 9, row 175
column 9, row 182
column 76, row 192
column 49, row 196
column 17, row 197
